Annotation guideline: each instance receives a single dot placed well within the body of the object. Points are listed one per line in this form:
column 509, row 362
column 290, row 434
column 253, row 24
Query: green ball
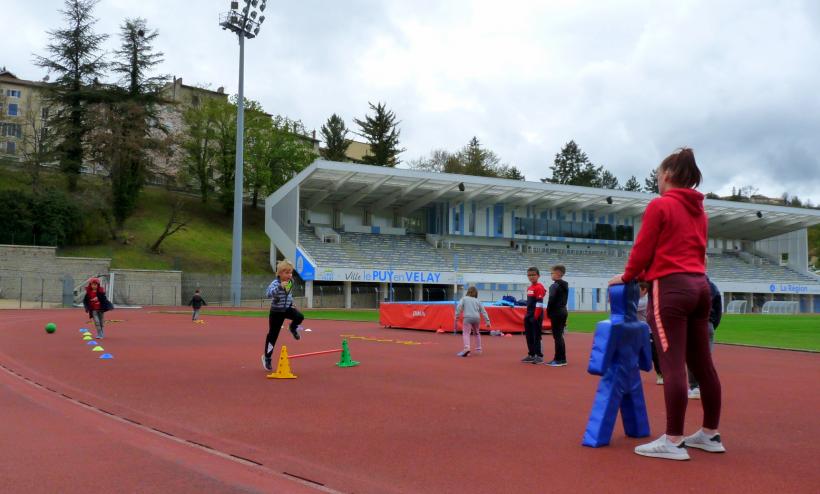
column 51, row 327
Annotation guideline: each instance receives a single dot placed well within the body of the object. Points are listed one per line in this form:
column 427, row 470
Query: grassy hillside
column 204, row 246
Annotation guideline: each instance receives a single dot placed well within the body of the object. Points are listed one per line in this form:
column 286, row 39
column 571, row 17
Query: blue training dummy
column 619, row 348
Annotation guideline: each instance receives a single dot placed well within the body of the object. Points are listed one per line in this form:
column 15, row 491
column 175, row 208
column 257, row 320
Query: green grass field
column 800, row 332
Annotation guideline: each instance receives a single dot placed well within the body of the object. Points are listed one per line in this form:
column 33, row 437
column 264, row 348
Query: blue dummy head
column 623, row 302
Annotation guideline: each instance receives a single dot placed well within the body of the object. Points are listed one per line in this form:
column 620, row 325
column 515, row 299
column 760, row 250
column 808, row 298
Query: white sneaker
column 701, row 440
column 663, row 448
column 659, row 380
column 694, row 394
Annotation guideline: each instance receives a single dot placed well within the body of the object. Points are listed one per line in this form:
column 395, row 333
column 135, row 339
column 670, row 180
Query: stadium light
column 244, row 24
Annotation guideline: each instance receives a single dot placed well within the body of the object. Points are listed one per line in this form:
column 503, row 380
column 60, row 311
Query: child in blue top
column 281, row 308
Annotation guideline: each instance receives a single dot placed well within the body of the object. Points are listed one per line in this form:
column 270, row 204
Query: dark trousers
column 693, row 382
column 275, row 320
column 678, row 313
column 559, row 324
column 655, row 360
column 532, row 331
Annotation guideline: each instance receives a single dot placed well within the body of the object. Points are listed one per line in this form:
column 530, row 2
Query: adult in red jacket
column 670, row 254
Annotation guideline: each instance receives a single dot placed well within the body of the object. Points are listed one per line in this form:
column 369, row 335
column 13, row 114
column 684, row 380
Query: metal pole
column 42, row 291
column 236, row 256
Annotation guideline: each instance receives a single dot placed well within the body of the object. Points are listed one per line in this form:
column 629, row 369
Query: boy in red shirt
column 534, row 318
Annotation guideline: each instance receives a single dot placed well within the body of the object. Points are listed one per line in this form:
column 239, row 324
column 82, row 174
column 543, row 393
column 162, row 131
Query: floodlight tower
column 246, row 24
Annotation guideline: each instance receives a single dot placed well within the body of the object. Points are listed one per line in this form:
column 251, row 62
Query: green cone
column 346, row 361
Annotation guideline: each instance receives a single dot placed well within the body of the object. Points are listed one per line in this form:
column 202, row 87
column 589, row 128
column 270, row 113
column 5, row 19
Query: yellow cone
column 87, row 337
column 97, row 348
column 283, row 369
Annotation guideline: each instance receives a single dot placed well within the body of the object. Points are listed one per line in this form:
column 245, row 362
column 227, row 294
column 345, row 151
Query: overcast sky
column 629, row 81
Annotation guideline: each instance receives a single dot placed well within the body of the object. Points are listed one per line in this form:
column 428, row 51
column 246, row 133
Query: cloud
column 629, row 81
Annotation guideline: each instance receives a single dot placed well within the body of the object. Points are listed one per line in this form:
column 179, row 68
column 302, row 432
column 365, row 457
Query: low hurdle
column 283, row 370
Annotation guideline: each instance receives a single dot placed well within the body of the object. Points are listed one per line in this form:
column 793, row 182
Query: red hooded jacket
column 672, row 238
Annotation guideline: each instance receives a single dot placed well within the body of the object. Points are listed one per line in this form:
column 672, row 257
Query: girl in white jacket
column 473, row 310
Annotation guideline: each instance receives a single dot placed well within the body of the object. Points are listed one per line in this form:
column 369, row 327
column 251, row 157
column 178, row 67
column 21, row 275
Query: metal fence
column 31, row 292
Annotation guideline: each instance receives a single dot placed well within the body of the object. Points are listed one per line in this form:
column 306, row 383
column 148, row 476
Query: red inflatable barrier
column 433, row 317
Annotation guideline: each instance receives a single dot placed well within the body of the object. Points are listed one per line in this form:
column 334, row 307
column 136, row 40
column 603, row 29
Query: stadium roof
column 348, row 185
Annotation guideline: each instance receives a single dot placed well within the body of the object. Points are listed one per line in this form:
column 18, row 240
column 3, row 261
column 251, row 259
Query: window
column 11, row 147
column 367, row 217
column 12, row 109
column 44, row 112
column 11, row 130
column 456, row 221
column 14, row 93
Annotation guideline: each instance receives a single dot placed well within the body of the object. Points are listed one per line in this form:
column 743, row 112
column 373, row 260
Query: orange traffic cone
column 283, row 369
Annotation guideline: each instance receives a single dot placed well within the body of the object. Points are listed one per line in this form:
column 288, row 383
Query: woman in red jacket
column 670, row 254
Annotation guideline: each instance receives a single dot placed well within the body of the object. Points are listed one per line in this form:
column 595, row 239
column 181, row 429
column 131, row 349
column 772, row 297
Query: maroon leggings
column 678, row 313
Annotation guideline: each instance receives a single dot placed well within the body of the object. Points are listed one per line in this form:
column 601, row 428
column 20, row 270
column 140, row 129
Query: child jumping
column 281, row 308
column 96, row 304
column 642, row 303
column 196, row 303
column 473, row 310
column 557, row 312
column 534, row 318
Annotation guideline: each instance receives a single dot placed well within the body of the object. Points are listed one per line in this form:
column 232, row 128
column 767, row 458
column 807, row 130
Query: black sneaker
column 295, row 333
column 463, row 353
column 538, row 360
column 557, row 363
column 528, row 359
column 266, row 363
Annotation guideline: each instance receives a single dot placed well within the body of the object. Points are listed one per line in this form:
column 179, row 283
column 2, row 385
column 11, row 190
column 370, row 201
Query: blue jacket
column 717, row 305
column 280, row 295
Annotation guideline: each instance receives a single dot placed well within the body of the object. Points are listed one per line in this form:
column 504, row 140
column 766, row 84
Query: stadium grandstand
column 375, row 233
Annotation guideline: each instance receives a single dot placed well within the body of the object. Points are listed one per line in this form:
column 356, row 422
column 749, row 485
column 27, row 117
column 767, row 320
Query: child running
column 534, row 318
column 642, row 302
column 557, row 312
column 96, row 304
column 196, row 303
column 281, row 308
column 473, row 310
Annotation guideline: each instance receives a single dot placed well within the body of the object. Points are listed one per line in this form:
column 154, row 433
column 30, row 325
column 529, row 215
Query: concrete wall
column 36, row 273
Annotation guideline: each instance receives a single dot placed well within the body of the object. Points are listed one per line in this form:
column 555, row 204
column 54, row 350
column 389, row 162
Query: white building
column 373, row 233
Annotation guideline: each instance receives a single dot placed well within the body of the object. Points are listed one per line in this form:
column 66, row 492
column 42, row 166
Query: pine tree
column 135, row 58
column 334, row 133
column 510, row 172
column 573, row 167
column 608, row 180
column 632, row 184
column 478, row 161
column 382, row 133
column 129, row 127
column 651, row 182
column 76, row 57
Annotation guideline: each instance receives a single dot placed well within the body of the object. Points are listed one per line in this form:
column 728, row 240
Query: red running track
column 410, row 418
